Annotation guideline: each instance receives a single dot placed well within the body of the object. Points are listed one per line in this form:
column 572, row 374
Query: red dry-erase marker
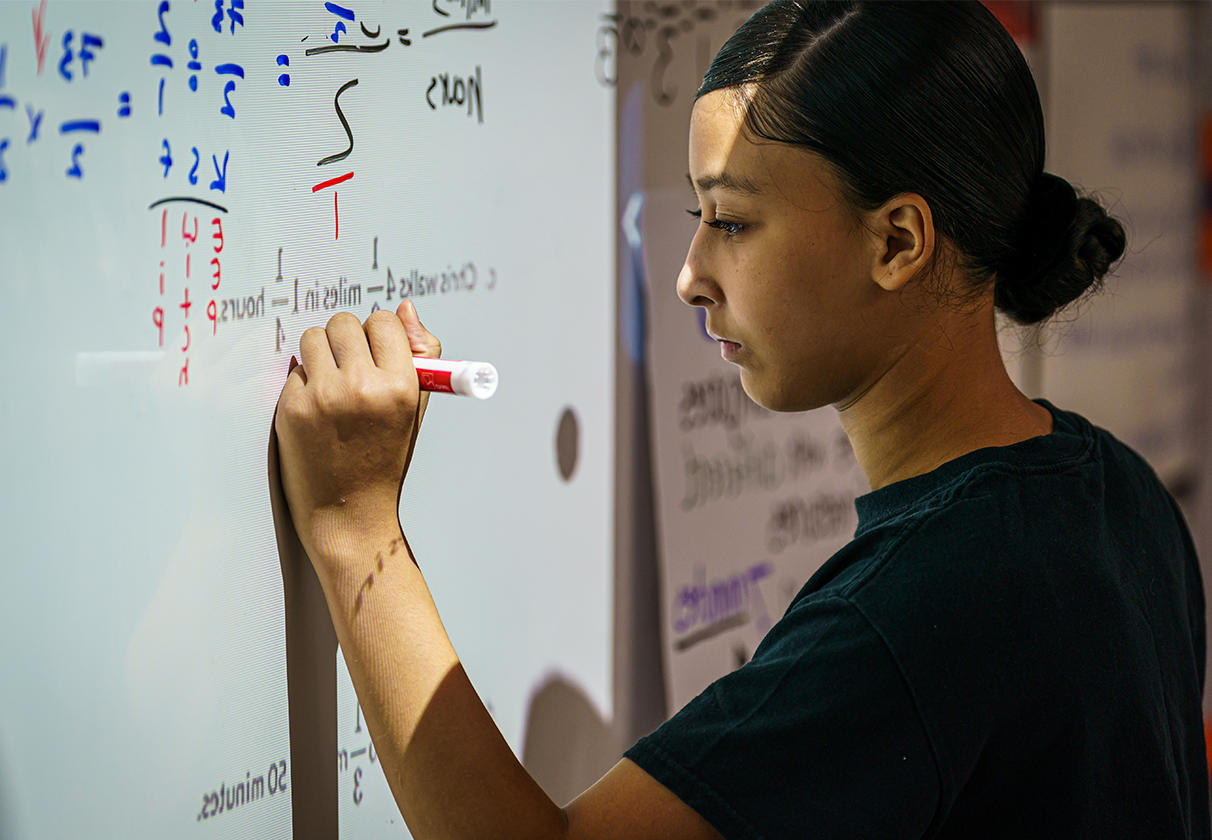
column 467, row 379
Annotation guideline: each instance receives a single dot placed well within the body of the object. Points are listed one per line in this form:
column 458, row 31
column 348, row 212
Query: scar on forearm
column 380, row 564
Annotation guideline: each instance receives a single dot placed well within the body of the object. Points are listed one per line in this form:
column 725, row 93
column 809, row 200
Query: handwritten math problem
column 178, row 261
column 195, row 73
column 186, row 186
column 364, row 750
column 81, row 53
column 343, row 32
column 307, row 296
column 299, row 298
column 463, row 15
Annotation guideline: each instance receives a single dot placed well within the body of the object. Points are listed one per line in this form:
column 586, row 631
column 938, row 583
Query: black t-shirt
column 1011, row 646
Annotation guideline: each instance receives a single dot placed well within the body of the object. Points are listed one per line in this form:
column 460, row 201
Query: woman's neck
column 942, row 397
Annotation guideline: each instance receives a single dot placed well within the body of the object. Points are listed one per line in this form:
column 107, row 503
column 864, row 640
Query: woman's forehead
column 722, row 156
column 725, row 159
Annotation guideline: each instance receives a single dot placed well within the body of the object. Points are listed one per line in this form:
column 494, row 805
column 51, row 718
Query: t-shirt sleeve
column 818, row 735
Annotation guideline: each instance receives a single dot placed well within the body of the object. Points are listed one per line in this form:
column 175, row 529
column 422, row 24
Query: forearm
column 450, row 770
column 345, row 421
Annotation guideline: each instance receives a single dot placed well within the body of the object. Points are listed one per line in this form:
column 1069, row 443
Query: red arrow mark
column 41, row 36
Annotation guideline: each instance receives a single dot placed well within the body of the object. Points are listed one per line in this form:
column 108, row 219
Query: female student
column 1013, row 643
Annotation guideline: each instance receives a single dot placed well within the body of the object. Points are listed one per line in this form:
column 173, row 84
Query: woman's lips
column 728, row 349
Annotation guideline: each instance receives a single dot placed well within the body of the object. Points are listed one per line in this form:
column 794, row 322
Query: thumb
column 420, row 340
column 422, row 343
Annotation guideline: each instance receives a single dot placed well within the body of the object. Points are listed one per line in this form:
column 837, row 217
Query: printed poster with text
column 750, row 502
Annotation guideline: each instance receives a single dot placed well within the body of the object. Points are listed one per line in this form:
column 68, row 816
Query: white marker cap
column 467, row 379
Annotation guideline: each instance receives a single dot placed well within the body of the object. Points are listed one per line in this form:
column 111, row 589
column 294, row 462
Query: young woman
column 1012, row 645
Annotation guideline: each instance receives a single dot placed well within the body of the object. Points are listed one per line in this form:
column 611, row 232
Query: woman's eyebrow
column 724, row 181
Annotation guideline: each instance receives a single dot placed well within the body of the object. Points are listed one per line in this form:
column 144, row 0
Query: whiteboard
column 184, row 188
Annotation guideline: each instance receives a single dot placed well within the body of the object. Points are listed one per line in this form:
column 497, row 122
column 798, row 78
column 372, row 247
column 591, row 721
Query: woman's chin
column 782, row 397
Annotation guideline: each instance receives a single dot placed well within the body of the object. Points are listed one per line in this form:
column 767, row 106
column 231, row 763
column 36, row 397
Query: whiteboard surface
column 143, row 665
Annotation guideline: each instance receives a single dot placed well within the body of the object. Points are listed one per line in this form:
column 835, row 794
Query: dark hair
column 932, row 98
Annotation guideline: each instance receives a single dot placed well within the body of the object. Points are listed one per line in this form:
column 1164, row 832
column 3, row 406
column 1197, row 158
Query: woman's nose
column 695, row 286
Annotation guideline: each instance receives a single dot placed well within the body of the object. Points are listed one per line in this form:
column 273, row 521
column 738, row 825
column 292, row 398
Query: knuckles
column 346, row 319
column 354, row 394
column 313, row 334
column 375, row 392
column 371, row 393
column 382, row 315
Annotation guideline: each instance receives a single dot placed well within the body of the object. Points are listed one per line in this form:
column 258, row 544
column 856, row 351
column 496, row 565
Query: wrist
column 343, row 539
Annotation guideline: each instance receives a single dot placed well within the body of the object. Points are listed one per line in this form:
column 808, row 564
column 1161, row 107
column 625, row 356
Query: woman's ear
column 904, row 229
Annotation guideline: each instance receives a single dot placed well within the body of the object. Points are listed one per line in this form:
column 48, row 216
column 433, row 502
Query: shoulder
column 1003, row 514
column 1035, row 555
column 1042, row 574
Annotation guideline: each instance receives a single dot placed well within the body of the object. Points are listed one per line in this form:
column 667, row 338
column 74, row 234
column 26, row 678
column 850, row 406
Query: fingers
column 389, row 345
column 316, row 353
column 345, row 343
column 421, row 341
column 383, row 341
column 347, row 340
column 340, row 356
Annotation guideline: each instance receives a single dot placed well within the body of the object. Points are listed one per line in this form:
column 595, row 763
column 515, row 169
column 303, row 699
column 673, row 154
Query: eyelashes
column 730, row 228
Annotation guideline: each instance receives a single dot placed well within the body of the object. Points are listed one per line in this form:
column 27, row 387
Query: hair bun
column 1066, row 246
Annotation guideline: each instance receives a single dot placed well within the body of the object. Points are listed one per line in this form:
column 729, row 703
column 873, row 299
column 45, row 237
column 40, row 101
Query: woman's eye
column 730, row 228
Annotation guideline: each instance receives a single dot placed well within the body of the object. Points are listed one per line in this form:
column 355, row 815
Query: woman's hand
column 347, row 421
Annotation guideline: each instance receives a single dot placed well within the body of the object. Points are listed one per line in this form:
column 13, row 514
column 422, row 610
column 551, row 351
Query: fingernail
column 412, row 307
column 293, row 364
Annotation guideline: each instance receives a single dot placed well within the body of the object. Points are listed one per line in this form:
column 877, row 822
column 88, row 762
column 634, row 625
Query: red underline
column 333, row 182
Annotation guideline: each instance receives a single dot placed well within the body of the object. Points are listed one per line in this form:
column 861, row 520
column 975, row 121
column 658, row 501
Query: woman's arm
column 346, row 421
